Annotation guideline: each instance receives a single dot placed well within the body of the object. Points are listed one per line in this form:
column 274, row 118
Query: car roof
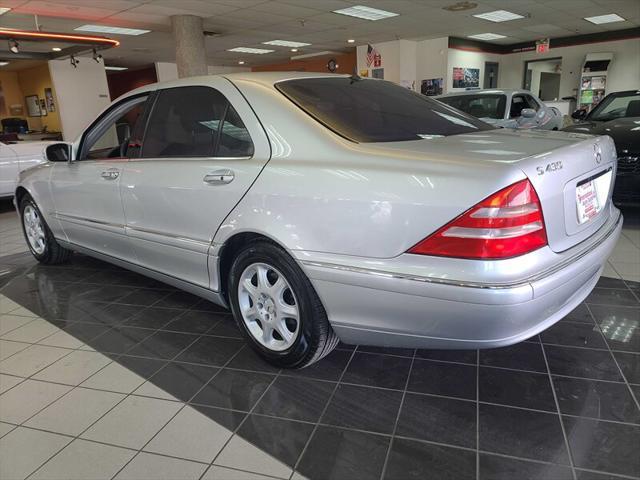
column 266, row 78
column 497, row 91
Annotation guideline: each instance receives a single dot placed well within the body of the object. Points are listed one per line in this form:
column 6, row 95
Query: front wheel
column 277, row 308
column 39, row 238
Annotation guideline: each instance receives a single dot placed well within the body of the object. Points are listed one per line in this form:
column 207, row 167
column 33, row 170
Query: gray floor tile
column 31, row 359
column 242, row 455
column 8, row 381
column 116, row 378
column 32, row 332
column 75, row 368
column 10, row 322
column 191, row 435
column 75, row 411
column 82, row 460
column 9, row 348
column 27, row 399
column 4, row 429
column 223, row 473
column 133, row 422
column 147, row 466
column 23, row 450
column 61, row 339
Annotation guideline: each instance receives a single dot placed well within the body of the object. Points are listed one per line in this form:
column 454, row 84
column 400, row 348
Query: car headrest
column 633, row 109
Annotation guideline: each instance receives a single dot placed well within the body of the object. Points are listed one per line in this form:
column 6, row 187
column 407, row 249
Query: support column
column 190, row 51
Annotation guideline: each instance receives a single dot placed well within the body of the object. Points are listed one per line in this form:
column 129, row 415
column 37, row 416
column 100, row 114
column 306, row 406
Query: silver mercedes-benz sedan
column 326, row 207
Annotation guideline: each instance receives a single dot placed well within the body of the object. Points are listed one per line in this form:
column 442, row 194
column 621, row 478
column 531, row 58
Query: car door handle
column 110, row 174
column 219, row 177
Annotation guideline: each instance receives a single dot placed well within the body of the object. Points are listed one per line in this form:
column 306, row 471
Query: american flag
column 371, row 53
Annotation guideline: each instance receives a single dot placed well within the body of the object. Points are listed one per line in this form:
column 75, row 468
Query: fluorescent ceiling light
column 256, row 51
column 499, row 16
column 286, row 43
column 56, row 49
column 108, row 29
column 117, row 69
column 351, row 40
column 367, row 13
column 4, row 10
column 2, row 64
column 487, row 36
column 609, row 18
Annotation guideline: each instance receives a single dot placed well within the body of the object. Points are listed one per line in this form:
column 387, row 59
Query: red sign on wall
column 542, row 46
column 377, row 60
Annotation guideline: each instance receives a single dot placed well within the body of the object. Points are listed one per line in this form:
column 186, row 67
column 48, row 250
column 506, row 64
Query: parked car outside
column 617, row 115
column 329, row 207
column 14, row 158
column 506, row 108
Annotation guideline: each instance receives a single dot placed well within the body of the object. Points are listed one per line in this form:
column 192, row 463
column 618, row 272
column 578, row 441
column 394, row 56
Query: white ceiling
column 249, row 22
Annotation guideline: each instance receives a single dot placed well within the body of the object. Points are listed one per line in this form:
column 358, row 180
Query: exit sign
column 542, row 46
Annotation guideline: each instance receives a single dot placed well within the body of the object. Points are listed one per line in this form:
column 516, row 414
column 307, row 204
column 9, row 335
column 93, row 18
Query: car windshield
column 617, row 106
column 366, row 110
column 479, row 105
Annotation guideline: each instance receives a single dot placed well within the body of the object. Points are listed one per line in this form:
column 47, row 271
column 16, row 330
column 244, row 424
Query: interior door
column 8, row 170
column 86, row 190
column 203, row 147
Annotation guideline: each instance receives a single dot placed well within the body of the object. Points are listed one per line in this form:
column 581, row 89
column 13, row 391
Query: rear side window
column 186, row 122
column 376, row 111
column 480, row 106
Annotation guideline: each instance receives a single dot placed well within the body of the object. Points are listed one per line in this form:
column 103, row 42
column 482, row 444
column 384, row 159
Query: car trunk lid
column 573, row 174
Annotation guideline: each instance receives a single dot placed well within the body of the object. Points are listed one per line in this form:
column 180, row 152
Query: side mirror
column 579, row 114
column 58, row 152
column 528, row 113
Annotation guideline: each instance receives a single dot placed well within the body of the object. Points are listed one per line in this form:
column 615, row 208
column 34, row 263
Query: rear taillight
column 506, row 224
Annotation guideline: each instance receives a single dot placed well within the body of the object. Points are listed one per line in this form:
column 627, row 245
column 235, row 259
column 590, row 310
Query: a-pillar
column 190, row 50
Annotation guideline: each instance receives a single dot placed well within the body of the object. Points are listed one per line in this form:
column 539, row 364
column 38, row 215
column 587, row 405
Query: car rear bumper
column 382, row 306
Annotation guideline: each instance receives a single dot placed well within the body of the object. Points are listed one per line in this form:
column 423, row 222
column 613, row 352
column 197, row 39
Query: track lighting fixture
column 74, row 61
column 13, row 46
column 96, row 56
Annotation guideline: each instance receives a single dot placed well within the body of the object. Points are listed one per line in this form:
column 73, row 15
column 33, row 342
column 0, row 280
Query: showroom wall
column 434, row 59
column 12, row 94
column 82, row 93
column 346, row 64
column 33, row 81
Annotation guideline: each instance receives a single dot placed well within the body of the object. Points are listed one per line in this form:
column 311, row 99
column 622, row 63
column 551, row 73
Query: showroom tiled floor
column 107, row 374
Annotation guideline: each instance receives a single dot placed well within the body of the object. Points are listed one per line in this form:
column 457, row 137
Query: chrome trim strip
column 201, row 243
column 182, row 159
column 462, row 283
column 63, row 216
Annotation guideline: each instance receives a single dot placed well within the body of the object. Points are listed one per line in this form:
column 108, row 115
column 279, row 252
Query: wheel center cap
column 266, row 308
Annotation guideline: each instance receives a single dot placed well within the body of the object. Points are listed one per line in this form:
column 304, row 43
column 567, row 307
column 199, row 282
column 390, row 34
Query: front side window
column 109, row 138
column 186, row 122
column 617, row 106
column 365, row 110
column 480, row 106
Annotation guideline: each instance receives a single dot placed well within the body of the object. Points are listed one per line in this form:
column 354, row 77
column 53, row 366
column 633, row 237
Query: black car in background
column 617, row 115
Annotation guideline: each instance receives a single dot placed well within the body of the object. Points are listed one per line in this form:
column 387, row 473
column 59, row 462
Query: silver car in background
column 506, row 108
column 14, row 158
column 322, row 208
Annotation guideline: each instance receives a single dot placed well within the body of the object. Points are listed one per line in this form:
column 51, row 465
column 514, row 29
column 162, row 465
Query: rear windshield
column 375, row 110
column 480, row 106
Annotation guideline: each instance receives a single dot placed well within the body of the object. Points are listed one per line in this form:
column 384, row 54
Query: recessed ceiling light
column 351, row 40
column 487, row 36
column 116, row 69
column 461, row 6
column 499, row 16
column 56, row 49
column 2, row 64
column 609, row 18
column 108, row 29
column 286, row 43
column 256, row 51
column 367, row 13
column 241, row 62
column 4, row 10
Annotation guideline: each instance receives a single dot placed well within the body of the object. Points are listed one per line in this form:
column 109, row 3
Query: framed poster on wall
column 43, row 108
column 48, row 95
column 377, row 73
column 33, row 105
column 431, row 87
column 466, row 77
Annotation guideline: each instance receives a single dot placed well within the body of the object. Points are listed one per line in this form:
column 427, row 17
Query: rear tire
column 277, row 308
column 40, row 240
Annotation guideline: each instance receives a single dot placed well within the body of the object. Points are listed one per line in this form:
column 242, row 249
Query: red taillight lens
column 507, row 224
